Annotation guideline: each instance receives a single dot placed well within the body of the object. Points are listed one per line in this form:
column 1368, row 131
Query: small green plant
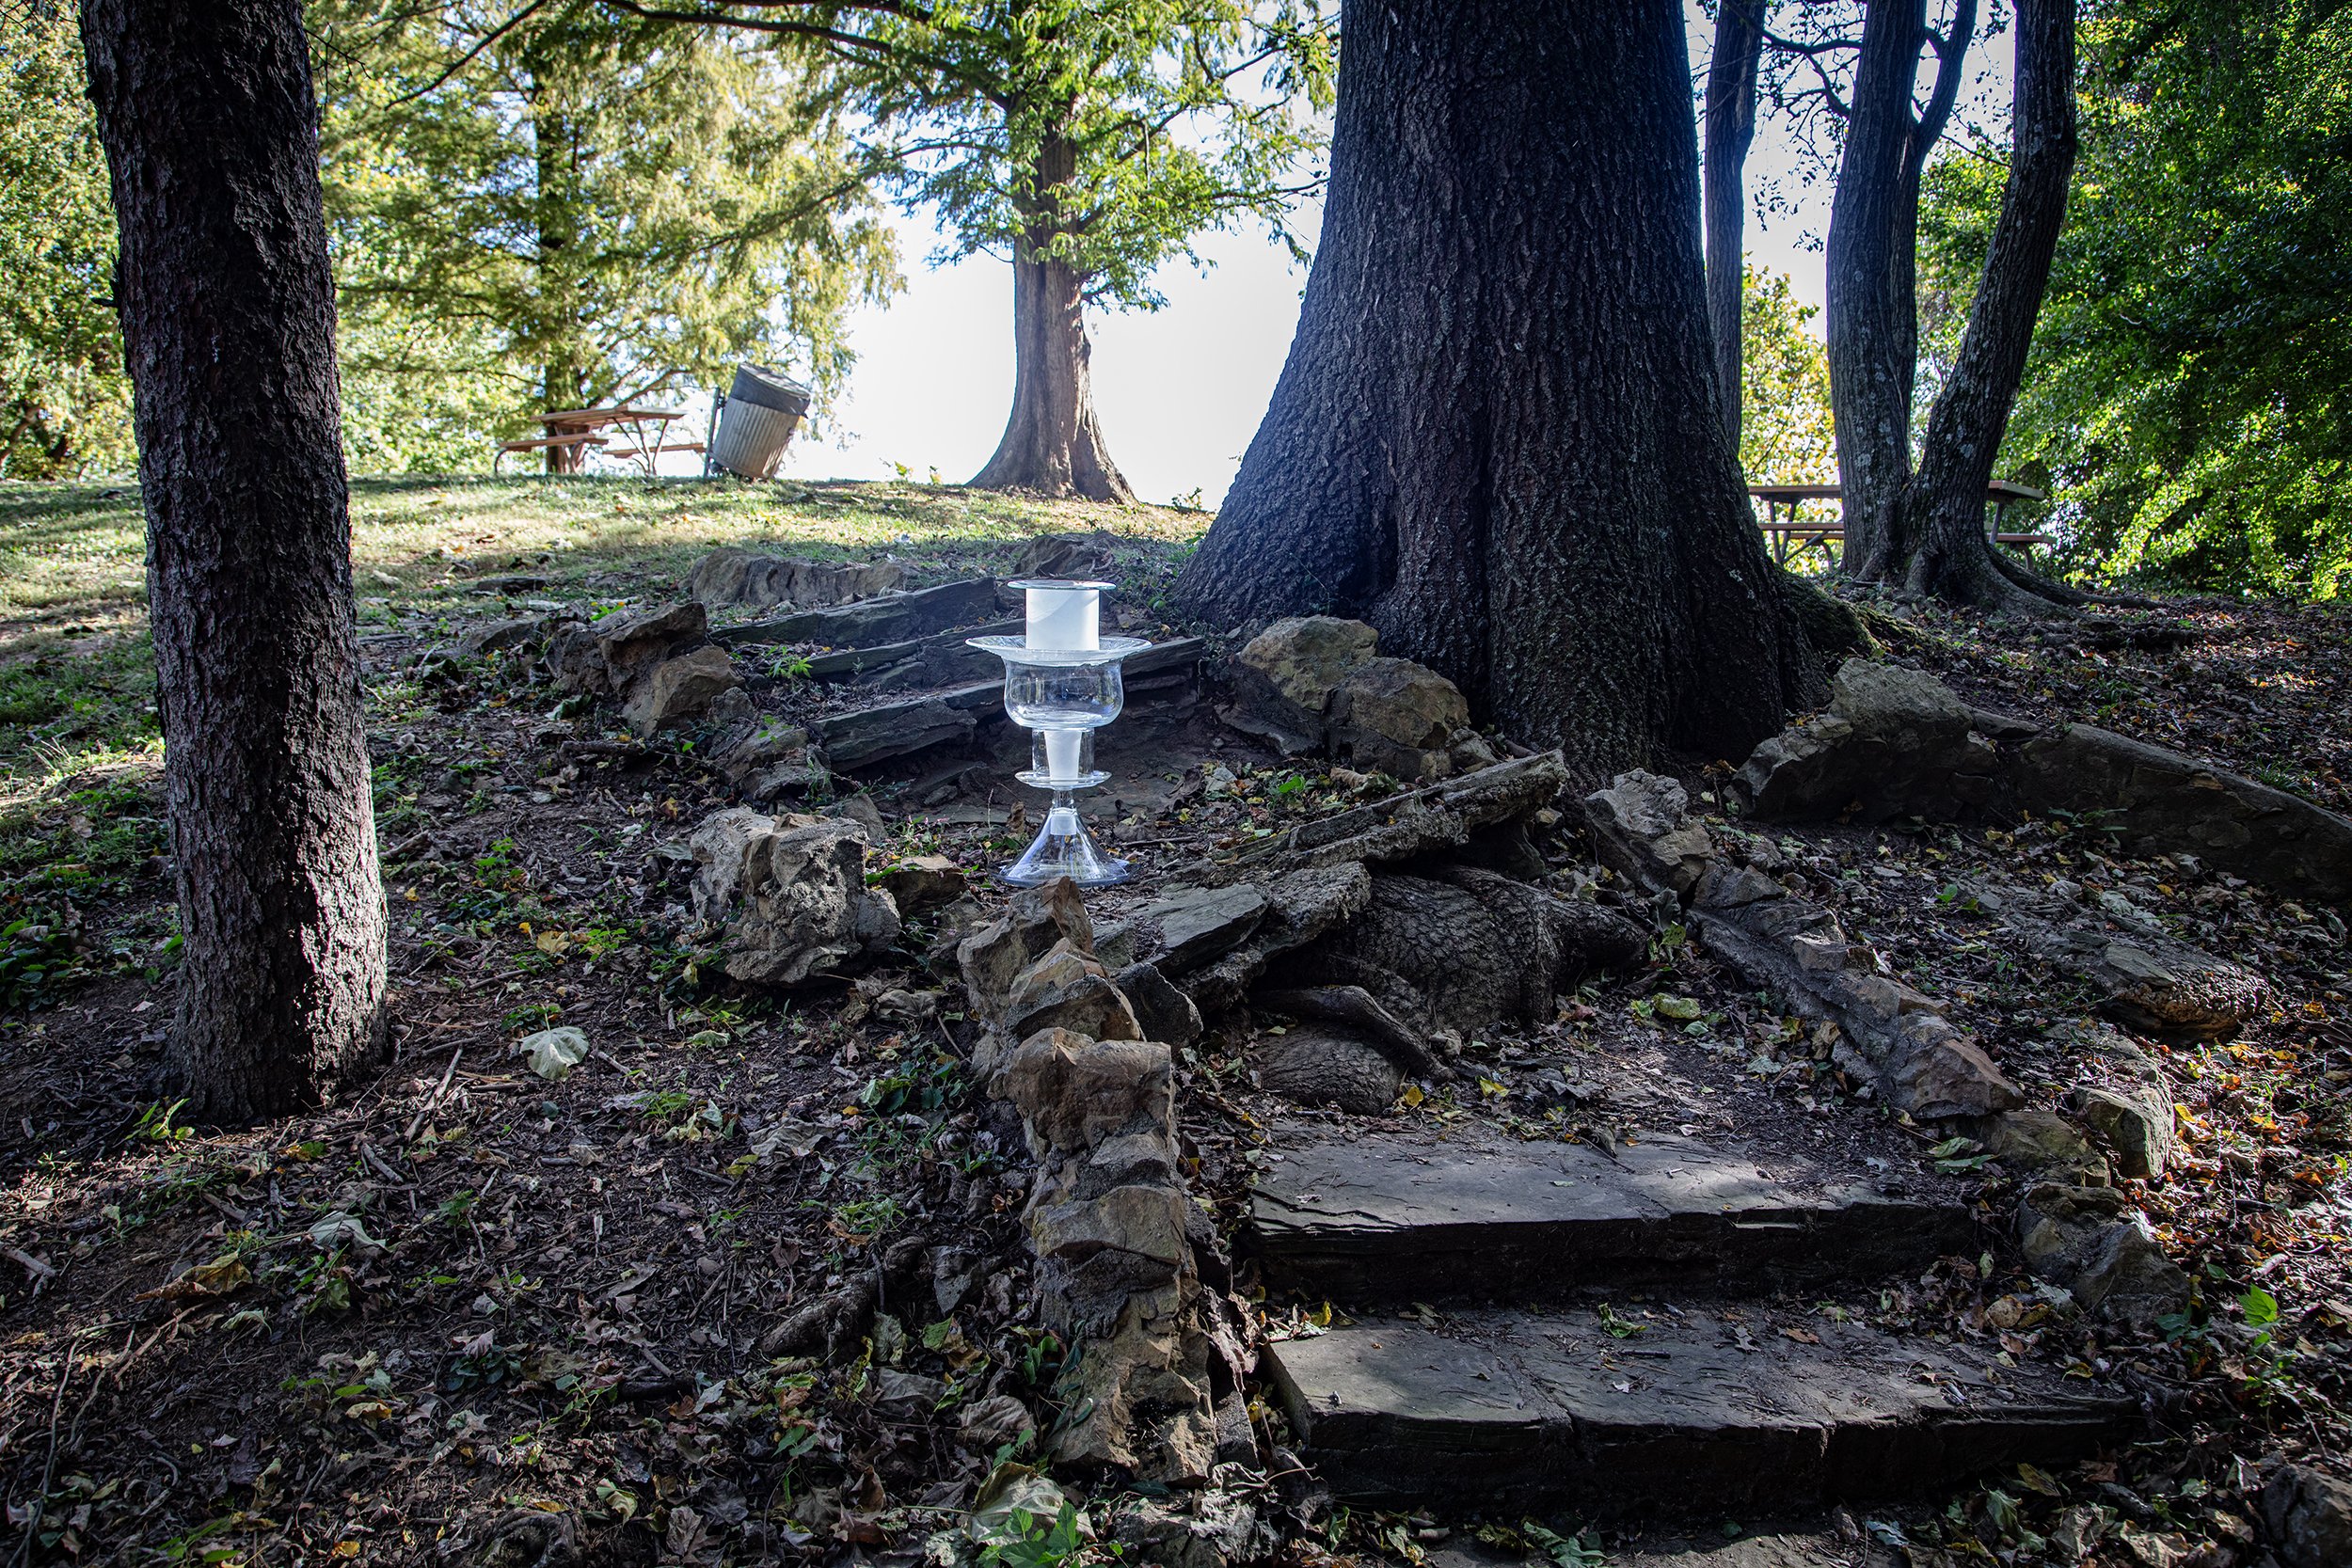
column 1041, row 1542
column 154, row 1125
column 483, row 1364
column 1568, row 1551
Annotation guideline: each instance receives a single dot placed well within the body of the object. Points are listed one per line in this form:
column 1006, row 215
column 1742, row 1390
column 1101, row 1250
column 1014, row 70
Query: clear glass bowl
column 1062, row 688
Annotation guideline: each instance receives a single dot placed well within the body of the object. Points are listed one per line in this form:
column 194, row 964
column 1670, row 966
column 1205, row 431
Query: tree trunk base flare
column 1495, row 437
column 1053, row 443
column 1941, row 512
column 228, row 307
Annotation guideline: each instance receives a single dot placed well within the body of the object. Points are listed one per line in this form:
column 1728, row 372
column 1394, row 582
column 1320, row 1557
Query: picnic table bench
column 572, row 432
column 1789, row 534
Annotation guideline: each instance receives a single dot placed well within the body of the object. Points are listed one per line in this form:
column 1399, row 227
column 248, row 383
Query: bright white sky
column 1180, row 390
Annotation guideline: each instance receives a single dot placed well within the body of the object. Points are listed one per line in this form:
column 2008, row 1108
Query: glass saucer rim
column 1016, row 649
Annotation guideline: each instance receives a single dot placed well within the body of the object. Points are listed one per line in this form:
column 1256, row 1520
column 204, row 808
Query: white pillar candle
column 1061, row 753
column 1065, row 618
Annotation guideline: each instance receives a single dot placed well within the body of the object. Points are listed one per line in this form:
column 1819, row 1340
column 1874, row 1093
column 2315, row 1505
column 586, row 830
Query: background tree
column 1087, row 140
column 1495, row 437
column 65, row 409
column 2189, row 394
column 559, row 208
column 1872, row 249
column 1731, row 82
column 1939, row 522
column 227, row 306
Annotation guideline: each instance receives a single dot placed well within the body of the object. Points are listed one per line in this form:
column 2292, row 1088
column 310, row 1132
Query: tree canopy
column 2190, row 394
column 573, row 208
column 64, row 401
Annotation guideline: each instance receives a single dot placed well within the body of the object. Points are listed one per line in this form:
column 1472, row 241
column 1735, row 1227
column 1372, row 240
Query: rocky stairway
column 1520, row 1373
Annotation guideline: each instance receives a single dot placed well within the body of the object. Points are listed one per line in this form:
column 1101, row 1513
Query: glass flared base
column 1065, row 849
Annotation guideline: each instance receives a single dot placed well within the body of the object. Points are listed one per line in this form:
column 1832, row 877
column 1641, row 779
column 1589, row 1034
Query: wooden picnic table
column 572, row 432
column 1788, row 531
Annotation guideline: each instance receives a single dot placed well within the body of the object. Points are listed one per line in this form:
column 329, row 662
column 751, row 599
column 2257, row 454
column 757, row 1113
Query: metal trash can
column 756, row 422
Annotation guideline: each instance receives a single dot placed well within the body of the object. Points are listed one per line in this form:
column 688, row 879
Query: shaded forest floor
column 472, row 1315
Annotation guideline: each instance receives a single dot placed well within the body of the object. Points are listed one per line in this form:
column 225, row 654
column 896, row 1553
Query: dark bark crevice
column 1502, row 364
column 228, row 309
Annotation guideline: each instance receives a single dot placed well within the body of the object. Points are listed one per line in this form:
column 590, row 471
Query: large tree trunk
column 1053, row 443
column 1730, row 128
column 1944, row 509
column 1497, row 437
column 229, row 326
column 1873, row 267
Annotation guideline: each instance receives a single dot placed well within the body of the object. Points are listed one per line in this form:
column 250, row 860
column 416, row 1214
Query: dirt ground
column 473, row 1315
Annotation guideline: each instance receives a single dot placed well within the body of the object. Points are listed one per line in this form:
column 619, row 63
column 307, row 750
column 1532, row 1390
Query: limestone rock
column 1067, row 989
column 2151, row 979
column 2307, row 1515
column 2042, row 1144
column 1936, row 1071
column 767, row 759
column 491, row 637
column 1075, row 1092
column 633, row 641
column 2138, row 1127
column 738, row 576
column 1162, row 1011
column 992, row 958
column 1893, row 740
column 1318, row 1065
column 1207, row 1529
column 575, row 659
column 920, row 882
column 1140, row 1395
column 677, row 689
column 1641, row 825
column 2089, row 1240
column 1191, row 926
column 1066, row 555
column 791, row 895
column 1284, row 677
column 2162, row 801
column 1395, row 716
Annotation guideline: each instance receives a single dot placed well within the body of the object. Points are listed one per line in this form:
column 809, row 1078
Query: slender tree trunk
column 1053, row 443
column 1872, row 268
column 1945, row 504
column 1495, row 437
column 229, row 326
column 1730, row 128
column 562, row 379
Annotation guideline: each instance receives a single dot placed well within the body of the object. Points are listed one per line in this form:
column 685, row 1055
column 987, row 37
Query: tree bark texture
column 1872, row 266
column 1730, row 128
column 1495, row 437
column 228, row 312
column 1943, row 507
column 1053, row 443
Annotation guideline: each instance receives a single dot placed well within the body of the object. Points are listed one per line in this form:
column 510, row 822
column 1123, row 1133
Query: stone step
column 1399, row 1217
column 885, row 618
column 1716, row 1409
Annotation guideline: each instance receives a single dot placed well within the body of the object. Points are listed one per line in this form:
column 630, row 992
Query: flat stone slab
column 863, row 737
column 889, row 618
column 1713, row 1408
column 1391, row 1217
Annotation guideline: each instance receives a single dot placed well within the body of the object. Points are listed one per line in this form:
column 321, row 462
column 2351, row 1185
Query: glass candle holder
column 1062, row 695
